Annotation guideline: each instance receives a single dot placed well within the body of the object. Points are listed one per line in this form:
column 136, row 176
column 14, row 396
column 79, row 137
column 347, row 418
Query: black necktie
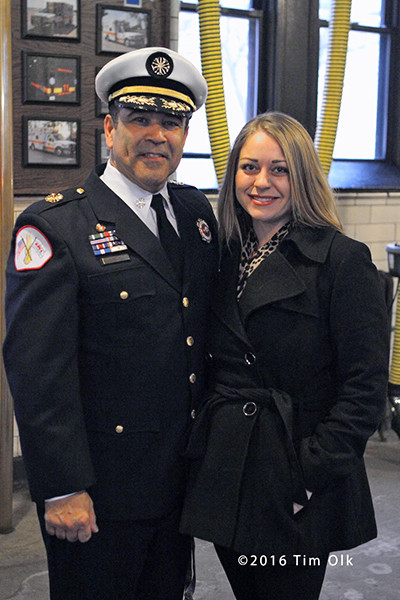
column 169, row 239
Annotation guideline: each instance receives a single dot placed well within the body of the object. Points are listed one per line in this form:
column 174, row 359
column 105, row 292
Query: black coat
column 104, row 381
column 312, row 324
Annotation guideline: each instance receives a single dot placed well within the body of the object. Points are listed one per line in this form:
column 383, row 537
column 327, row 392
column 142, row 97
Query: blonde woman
column 298, row 355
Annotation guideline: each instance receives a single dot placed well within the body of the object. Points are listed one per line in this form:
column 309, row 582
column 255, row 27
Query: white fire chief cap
column 153, row 79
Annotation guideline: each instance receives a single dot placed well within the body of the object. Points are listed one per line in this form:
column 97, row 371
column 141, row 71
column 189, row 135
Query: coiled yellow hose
column 211, row 61
column 394, row 376
column 339, row 26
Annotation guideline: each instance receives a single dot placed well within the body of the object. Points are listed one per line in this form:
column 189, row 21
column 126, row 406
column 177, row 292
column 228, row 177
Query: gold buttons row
column 125, row 295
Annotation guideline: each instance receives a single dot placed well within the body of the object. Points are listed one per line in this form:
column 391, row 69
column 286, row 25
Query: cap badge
column 204, row 230
column 159, row 65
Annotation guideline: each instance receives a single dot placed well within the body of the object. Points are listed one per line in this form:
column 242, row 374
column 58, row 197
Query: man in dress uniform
column 108, row 289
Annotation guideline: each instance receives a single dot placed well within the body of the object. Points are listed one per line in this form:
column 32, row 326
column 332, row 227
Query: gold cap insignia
column 54, row 197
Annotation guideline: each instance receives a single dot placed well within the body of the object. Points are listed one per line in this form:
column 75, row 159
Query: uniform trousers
column 273, row 582
column 136, row 560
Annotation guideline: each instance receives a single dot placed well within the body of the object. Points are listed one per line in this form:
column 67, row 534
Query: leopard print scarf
column 252, row 256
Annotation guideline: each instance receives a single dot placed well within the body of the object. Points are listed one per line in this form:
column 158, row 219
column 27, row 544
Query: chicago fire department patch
column 32, row 249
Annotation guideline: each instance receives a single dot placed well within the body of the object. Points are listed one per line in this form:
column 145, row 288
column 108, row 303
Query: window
column 240, row 30
column 361, row 132
column 366, row 150
column 291, row 37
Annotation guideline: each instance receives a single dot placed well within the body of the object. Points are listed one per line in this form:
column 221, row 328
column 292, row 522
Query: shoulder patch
column 32, row 249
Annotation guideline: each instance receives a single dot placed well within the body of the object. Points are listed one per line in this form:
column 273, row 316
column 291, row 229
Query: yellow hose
column 210, row 48
column 339, row 26
column 394, row 375
column 395, row 364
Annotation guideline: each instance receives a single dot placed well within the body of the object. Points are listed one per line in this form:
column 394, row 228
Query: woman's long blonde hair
column 311, row 197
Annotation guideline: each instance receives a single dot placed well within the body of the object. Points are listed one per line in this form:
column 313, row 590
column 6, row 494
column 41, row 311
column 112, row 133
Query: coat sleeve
column 358, row 323
column 41, row 359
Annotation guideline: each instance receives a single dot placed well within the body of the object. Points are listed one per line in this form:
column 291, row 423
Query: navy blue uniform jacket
column 105, row 362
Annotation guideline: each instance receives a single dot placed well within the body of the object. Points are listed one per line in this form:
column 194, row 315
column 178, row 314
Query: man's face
column 145, row 146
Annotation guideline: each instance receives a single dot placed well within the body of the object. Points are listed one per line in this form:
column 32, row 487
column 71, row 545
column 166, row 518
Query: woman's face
column 263, row 184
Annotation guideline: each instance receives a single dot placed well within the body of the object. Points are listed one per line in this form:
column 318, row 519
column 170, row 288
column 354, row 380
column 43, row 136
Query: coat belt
column 257, row 404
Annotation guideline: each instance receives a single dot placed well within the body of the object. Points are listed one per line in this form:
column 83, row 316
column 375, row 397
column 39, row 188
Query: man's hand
column 72, row 518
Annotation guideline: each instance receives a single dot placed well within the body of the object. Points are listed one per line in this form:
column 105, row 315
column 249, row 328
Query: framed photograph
column 122, row 29
column 57, row 20
column 50, row 78
column 102, row 150
column 51, row 143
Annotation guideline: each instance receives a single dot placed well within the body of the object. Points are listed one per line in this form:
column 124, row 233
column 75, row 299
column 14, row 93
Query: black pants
column 273, row 581
column 138, row 560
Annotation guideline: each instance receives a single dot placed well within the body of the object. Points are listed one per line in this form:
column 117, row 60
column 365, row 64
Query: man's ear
column 109, row 130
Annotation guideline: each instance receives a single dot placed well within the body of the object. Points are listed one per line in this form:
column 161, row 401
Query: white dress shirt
column 137, row 198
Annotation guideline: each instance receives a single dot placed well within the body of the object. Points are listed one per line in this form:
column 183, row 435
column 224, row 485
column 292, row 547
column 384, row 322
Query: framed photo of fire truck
column 44, row 19
column 48, row 78
column 122, row 29
column 50, row 143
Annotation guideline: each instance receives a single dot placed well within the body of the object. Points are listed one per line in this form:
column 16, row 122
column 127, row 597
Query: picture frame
column 50, row 78
column 51, row 20
column 50, row 143
column 102, row 150
column 121, row 29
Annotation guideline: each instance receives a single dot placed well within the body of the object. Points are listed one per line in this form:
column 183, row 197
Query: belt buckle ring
column 249, row 409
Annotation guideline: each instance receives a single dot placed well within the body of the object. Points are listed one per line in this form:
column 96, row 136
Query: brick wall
column 373, row 219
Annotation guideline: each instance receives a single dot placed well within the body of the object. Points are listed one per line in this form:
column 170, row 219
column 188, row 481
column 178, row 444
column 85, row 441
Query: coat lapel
column 185, row 223
column 272, row 281
column 187, row 216
column 109, row 208
column 225, row 305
